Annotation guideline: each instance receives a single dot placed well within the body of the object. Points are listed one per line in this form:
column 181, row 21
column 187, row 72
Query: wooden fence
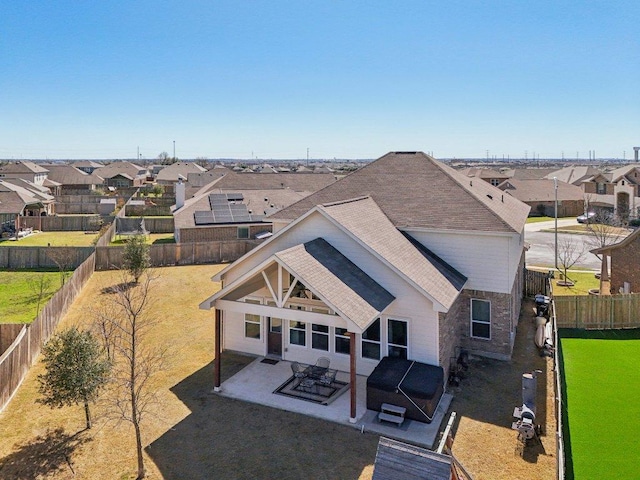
column 599, row 312
column 16, row 360
column 76, row 223
column 535, row 282
column 165, row 254
column 14, row 257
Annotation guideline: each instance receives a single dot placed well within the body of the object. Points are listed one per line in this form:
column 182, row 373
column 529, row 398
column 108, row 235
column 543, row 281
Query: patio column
column 352, row 371
column 218, row 352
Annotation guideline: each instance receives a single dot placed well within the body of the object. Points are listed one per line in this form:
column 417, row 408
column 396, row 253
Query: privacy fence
column 598, row 312
column 65, row 258
column 28, row 339
column 75, row 223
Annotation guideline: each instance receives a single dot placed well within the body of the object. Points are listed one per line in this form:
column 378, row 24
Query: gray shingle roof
column 364, row 219
column 336, row 280
column 416, row 191
column 541, row 190
column 70, row 175
column 22, row 167
column 171, row 173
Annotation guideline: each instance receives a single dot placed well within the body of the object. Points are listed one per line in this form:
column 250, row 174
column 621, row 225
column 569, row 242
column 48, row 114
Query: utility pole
column 174, row 150
column 555, row 214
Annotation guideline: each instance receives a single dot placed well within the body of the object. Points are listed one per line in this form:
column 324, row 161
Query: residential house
column 72, row 179
column 404, row 258
column 617, row 190
column 489, row 175
column 21, row 200
column 574, row 174
column 25, row 170
column 122, row 174
column 170, row 174
column 541, row 196
column 254, row 195
column 87, row 166
column 624, row 258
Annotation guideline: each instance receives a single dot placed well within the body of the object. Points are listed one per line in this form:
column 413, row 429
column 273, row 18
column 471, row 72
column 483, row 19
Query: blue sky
column 349, row 79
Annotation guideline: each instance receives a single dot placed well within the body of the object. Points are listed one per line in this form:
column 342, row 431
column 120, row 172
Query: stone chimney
column 180, row 194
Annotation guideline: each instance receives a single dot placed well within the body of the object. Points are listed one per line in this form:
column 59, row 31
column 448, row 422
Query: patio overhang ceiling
column 325, row 272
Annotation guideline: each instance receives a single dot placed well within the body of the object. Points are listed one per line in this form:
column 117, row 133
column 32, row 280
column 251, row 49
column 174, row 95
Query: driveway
column 542, row 244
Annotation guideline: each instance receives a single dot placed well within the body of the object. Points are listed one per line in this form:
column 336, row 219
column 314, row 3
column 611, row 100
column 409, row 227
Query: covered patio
column 257, row 382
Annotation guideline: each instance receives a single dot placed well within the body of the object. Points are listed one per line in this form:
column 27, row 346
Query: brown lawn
column 197, row 435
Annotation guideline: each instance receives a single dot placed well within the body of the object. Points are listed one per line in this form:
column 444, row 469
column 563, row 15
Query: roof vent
column 490, row 197
column 405, row 153
column 502, row 198
column 471, row 183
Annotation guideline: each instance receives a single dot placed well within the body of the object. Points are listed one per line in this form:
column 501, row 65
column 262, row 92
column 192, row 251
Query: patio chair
column 323, row 362
column 298, row 371
column 328, row 377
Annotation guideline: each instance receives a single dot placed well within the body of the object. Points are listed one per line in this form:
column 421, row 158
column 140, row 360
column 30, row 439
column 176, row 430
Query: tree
column 64, row 258
column 202, row 161
column 570, row 252
column 136, row 257
column 40, row 285
column 76, row 370
column 136, row 362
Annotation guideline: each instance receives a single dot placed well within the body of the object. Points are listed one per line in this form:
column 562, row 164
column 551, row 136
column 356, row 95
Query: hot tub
column 413, row 385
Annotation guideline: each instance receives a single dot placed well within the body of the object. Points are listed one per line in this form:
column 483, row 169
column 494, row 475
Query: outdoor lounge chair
column 298, row 371
column 328, row 377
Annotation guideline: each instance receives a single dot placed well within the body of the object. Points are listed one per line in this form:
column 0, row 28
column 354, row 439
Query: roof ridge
column 344, row 202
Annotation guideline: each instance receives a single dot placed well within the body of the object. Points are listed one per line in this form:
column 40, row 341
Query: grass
column 602, row 386
column 54, row 239
column 18, row 301
column 191, row 434
column 152, row 239
column 583, row 282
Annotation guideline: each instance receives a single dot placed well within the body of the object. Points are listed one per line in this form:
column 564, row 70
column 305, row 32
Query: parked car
column 586, row 217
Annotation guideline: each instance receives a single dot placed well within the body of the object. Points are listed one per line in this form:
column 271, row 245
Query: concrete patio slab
column 256, row 382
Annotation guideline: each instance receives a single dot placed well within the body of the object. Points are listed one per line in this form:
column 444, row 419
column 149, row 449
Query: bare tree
column 127, row 322
column 570, row 252
column 40, row 285
column 64, row 258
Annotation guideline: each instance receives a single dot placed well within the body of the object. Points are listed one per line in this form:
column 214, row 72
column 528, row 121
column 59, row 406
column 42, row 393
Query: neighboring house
column 25, row 170
column 122, row 174
column 618, row 188
column 87, row 166
column 404, row 258
column 17, row 201
column 624, row 258
column 170, row 174
column 73, row 179
column 574, row 174
column 489, row 175
column 260, row 194
column 541, row 196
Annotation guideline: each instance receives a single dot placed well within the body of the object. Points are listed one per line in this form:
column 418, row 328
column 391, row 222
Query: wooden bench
column 392, row 413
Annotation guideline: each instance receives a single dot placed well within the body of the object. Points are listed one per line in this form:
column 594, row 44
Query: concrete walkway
column 257, row 381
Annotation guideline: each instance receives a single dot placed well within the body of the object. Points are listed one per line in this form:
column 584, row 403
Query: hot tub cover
column 412, row 378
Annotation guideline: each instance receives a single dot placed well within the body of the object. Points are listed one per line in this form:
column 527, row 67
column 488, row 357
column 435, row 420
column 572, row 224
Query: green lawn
column 152, row 238
column 54, row 239
column 543, row 219
column 582, row 283
column 602, row 387
column 18, row 300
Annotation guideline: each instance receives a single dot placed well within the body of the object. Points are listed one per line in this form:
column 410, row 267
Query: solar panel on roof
column 235, row 197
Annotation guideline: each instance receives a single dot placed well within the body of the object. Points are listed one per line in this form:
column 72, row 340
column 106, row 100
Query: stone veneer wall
column 455, row 325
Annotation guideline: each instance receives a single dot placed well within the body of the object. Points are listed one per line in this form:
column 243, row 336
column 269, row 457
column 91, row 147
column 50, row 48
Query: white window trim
column 471, row 320
column 333, row 343
column 381, row 343
column 328, row 335
column 386, row 335
column 306, row 345
column 253, row 322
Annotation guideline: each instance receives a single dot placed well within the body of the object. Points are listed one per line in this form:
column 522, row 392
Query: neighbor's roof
column 401, row 461
column 623, row 243
column 70, row 175
column 541, row 190
column 416, row 191
column 485, row 173
column 336, row 280
column 125, row 169
column 366, row 222
column 14, row 198
column 22, row 167
column 171, row 173
column 574, row 174
column 628, row 171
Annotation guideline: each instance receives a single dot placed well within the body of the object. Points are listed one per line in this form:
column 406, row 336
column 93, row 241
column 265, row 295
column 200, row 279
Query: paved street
column 542, row 250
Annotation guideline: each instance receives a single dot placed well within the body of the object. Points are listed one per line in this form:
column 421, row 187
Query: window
column 397, row 338
column 275, row 325
column 342, row 341
column 252, row 326
column 297, row 333
column 243, row 232
column 480, row 318
column 371, row 341
column 320, row 337
column 601, row 188
column 495, row 182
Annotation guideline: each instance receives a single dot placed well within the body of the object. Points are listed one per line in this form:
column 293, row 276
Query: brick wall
column 625, row 267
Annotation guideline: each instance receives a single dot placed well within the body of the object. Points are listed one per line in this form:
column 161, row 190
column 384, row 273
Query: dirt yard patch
column 197, row 435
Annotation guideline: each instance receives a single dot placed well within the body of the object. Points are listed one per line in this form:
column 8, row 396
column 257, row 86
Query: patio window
column 371, row 341
column 320, row 337
column 252, row 326
column 480, row 319
column 297, row 333
column 397, row 338
column 243, row 232
column 342, row 341
column 601, row 188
